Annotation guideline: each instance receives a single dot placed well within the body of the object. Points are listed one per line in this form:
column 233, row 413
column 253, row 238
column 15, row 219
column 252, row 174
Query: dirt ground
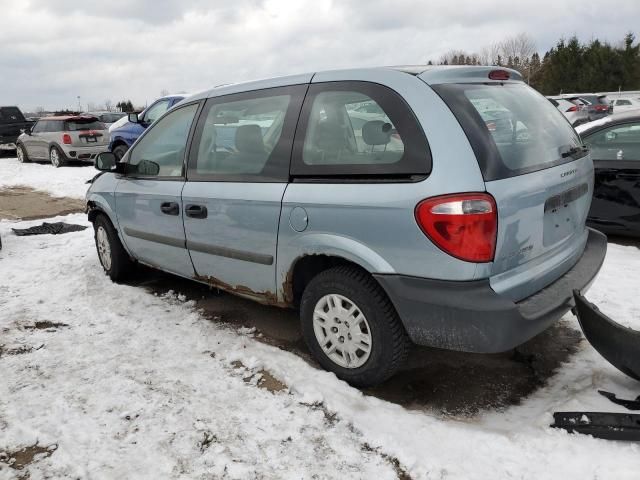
column 450, row 383
column 24, row 203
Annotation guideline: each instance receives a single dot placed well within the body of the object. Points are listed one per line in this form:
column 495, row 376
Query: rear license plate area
column 564, row 213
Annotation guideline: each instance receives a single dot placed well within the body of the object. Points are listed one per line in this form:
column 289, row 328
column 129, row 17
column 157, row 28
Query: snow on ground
column 69, row 181
column 136, row 385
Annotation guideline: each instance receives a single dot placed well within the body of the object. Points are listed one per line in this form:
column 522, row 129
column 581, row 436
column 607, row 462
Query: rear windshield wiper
column 574, row 150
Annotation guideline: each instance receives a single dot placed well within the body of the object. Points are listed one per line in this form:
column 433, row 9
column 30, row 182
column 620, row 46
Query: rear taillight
column 572, row 109
column 66, row 139
column 602, row 108
column 464, row 225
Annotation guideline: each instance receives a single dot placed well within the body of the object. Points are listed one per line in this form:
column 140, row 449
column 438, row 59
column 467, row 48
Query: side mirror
column 147, row 167
column 106, row 162
column 133, row 118
column 26, row 130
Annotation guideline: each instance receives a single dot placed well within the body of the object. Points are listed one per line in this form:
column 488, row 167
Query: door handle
column 196, row 211
column 170, row 208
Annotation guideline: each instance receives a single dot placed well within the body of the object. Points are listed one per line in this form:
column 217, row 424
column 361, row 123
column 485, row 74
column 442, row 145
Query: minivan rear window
column 512, row 129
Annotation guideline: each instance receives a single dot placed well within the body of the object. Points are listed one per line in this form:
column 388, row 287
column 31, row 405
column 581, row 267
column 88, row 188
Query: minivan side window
column 246, row 136
column 358, row 128
column 163, row 145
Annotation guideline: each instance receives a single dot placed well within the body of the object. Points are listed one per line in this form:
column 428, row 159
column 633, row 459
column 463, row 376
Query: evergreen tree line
column 570, row 66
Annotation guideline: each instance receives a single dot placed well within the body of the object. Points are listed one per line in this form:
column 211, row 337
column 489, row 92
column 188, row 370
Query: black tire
column 389, row 341
column 56, row 153
column 119, row 151
column 121, row 264
column 21, row 153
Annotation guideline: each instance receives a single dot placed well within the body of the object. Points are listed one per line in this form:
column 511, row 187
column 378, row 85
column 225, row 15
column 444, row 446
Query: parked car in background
column 12, row 123
column 64, row 138
column 625, row 104
column 270, row 192
column 123, row 136
column 615, row 149
column 108, row 118
column 597, row 106
column 572, row 109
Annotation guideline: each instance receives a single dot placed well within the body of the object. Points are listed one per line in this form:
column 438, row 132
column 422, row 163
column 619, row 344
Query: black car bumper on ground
column 471, row 317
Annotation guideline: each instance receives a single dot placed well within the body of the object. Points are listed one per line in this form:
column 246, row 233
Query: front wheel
column 113, row 257
column 56, row 157
column 351, row 326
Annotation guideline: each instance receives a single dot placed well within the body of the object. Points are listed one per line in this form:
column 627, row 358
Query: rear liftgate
column 620, row 346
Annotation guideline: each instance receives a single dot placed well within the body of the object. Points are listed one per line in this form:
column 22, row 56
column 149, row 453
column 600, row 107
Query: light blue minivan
column 441, row 206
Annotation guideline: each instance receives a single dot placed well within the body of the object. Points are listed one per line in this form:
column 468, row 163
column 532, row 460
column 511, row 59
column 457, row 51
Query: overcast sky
column 52, row 51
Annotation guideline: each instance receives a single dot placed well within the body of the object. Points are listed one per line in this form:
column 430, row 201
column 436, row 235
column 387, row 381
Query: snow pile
column 68, row 181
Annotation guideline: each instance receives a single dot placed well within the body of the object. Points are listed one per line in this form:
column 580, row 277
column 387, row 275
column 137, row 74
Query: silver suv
column 443, row 206
column 63, row 138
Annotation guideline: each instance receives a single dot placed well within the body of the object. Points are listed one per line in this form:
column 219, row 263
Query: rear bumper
column 87, row 154
column 471, row 317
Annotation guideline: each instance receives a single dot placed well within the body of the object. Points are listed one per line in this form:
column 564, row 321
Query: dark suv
column 12, row 122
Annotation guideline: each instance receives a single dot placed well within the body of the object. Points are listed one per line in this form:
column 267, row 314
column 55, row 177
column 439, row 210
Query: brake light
column 602, row 108
column 464, row 225
column 572, row 109
column 499, row 75
column 66, row 139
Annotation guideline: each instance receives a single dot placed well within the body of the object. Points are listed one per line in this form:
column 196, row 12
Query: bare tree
column 164, row 92
column 108, row 105
column 521, row 46
column 489, row 54
column 514, row 52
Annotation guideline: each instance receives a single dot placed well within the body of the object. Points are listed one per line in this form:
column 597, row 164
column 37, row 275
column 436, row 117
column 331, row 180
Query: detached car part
column 619, row 345
column 609, row 426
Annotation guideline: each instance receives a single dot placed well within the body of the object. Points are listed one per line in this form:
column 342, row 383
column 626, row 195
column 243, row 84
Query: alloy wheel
column 54, row 156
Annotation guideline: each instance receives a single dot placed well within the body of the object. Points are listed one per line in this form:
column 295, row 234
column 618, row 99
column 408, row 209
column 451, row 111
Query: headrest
column 376, row 132
column 249, row 139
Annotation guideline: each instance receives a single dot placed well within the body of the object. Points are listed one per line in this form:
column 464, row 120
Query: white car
column 625, row 104
column 572, row 108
